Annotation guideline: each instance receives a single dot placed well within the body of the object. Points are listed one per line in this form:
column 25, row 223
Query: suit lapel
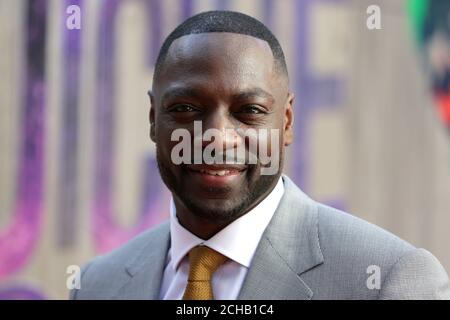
column 145, row 272
column 288, row 248
column 271, row 278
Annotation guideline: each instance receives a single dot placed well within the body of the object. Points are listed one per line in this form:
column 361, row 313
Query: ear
column 289, row 120
column 152, row 116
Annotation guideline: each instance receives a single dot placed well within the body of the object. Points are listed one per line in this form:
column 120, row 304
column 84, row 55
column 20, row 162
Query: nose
column 219, row 131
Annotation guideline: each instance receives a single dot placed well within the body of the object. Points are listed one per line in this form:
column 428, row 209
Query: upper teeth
column 216, row 172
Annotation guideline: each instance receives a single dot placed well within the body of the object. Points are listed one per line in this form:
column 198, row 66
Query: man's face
column 229, row 82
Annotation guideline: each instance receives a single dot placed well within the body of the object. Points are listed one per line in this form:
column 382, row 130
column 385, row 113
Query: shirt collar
column 238, row 241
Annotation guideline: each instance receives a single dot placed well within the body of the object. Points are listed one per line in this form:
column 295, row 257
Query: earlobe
column 289, row 120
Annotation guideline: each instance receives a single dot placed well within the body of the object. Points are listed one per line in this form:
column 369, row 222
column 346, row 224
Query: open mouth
column 216, row 175
column 220, row 173
column 217, row 169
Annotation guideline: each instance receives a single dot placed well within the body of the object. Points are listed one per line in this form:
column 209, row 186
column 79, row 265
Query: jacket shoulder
column 353, row 251
column 120, row 256
column 99, row 273
column 343, row 232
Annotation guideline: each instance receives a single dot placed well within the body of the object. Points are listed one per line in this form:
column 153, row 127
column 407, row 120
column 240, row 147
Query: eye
column 252, row 109
column 182, row 108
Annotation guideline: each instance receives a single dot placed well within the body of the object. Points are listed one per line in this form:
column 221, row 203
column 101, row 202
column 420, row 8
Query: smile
column 217, row 172
column 216, row 175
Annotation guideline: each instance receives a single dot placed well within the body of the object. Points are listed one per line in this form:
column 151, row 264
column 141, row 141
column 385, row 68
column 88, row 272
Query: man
column 236, row 229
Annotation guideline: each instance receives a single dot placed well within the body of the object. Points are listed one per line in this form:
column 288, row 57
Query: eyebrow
column 195, row 93
column 254, row 93
column 181, row 93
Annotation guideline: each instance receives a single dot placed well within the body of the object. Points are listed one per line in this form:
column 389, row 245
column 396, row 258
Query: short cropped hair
column 223, row 21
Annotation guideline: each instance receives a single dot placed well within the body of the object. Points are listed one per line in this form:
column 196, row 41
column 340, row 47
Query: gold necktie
column 203, row 262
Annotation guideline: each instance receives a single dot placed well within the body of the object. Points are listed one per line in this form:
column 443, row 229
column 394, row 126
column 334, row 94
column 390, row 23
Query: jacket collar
column 289, row 248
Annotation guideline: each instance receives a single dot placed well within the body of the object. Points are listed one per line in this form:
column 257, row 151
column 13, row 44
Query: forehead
column 213, row 41
column 221, row 59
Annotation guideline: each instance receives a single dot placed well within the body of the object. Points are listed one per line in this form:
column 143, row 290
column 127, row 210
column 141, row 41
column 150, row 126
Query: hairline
column 279, row 68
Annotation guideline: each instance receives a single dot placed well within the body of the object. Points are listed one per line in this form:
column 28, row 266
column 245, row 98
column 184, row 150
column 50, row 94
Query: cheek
column 167, row 148
column 275, row 138
column 163, row 142
column 265, row 144
column 273, row 142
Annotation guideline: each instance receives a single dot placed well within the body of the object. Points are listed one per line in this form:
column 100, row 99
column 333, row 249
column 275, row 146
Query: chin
column 216, row 210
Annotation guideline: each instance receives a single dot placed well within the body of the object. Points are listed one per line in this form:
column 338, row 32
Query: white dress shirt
column 238, row 241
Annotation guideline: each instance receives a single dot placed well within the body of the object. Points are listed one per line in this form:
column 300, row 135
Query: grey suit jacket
column 308, row 251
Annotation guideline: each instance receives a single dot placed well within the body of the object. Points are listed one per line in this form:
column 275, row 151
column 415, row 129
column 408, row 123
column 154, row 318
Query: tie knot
column 203, row 262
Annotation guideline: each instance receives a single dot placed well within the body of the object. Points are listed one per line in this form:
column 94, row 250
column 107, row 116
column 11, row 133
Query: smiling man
column 237, row 230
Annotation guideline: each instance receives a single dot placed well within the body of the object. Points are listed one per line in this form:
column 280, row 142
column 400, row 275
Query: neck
column 202, row 228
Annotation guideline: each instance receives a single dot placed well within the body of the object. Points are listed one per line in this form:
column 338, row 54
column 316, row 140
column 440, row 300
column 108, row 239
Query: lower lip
column 217, row 181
